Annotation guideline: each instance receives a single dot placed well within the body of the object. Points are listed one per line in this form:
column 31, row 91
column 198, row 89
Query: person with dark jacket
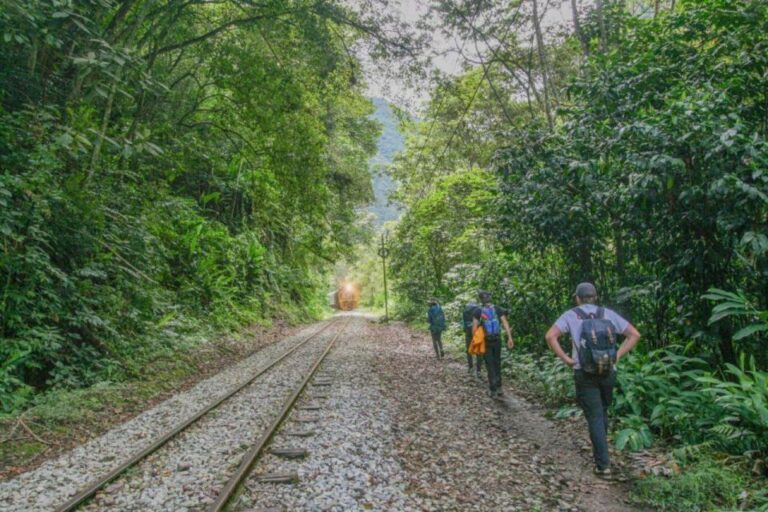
column 467, row 317
column 436, row 319
column 594, row 384
column 492, row 318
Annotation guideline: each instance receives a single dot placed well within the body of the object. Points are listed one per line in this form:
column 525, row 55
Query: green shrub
column 704, row 486
column 680, row 398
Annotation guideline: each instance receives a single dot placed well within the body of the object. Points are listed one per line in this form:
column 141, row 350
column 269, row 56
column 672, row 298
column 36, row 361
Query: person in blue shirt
column 436, row 319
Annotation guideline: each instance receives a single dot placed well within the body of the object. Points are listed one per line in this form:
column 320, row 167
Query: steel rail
column 93, row 487
column 251, row 456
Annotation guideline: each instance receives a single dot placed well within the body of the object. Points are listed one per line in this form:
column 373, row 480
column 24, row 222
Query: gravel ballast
column 352, row 463
column 401, row 430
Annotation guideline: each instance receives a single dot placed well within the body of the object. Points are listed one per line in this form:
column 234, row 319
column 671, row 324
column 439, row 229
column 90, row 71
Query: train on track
column 346, row 297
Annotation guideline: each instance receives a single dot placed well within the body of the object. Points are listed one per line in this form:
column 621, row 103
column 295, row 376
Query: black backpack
column 597, row 348
column 469, row 315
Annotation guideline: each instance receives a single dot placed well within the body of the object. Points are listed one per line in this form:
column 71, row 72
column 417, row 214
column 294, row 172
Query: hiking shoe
column 477, row 373
column 603, row 473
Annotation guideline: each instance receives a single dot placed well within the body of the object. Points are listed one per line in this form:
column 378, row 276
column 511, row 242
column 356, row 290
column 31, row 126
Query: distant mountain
column 390, row 143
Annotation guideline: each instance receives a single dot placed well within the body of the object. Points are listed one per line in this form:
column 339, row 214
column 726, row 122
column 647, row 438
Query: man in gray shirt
column 593, row 392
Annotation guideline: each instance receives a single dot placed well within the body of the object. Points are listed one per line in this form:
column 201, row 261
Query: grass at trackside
column 707, row 484
column 75, row 415
column 60, row 419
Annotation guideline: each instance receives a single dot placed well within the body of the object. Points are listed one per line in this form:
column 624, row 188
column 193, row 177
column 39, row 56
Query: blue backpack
column 490, row 321
column 436, row 319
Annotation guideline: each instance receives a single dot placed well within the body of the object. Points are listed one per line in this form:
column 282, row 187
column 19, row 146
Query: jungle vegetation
column 625, row 147
column 170, row 167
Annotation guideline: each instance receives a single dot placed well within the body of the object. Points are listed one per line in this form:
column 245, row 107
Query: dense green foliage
column 168, row 166
column 663, row 154
column 703, row 487
column 639, row 163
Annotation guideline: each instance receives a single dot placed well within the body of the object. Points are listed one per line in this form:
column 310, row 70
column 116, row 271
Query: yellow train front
column 347, row 297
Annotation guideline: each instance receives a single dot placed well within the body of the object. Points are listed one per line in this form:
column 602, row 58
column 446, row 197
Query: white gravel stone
column 351, row 464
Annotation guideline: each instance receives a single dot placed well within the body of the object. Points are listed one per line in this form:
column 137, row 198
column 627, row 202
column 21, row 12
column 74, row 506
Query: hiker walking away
column 491, row 318
column 436, row 319
column 467, row 317
column 594, row 331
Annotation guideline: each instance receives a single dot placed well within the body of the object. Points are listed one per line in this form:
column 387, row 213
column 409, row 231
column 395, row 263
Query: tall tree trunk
column 727, row 350
column 621, row 269
column 543, row 64
column 601, row 22
column 577, row 28
column 102, row 131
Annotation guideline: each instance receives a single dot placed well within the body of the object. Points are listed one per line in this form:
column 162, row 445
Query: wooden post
column 383, row 252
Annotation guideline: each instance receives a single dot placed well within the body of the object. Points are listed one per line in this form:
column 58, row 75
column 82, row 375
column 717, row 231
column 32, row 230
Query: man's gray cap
column 585, row 290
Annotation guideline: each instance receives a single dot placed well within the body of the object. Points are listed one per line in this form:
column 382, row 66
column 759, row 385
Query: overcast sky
column 397, row 91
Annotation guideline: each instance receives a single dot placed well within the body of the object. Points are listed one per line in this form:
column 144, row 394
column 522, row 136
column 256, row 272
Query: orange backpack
column 477, row 347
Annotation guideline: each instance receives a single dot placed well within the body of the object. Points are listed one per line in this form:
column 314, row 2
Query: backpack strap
column 580, row 313
column 599, row 314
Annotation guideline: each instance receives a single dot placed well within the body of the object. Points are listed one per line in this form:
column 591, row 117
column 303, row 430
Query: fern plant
column 737, row 305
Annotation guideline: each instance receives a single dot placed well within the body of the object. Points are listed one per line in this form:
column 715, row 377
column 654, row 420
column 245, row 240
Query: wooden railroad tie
column 278, row 478
column 300, row 433
column 307, row 419
column 288, row 452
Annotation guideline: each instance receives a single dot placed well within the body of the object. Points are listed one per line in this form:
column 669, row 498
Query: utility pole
column 383, row 253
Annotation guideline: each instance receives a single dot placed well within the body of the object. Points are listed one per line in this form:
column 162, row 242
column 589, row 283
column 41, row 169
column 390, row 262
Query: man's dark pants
column 467, row 343
column 594, row 394
column 437, row 342
column 493, row 361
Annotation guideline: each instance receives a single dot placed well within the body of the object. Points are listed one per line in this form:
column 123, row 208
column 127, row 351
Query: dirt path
column 464, row 451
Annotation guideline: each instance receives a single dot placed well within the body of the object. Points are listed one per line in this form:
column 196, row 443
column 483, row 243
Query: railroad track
column 94, row 486
column 250, row 459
